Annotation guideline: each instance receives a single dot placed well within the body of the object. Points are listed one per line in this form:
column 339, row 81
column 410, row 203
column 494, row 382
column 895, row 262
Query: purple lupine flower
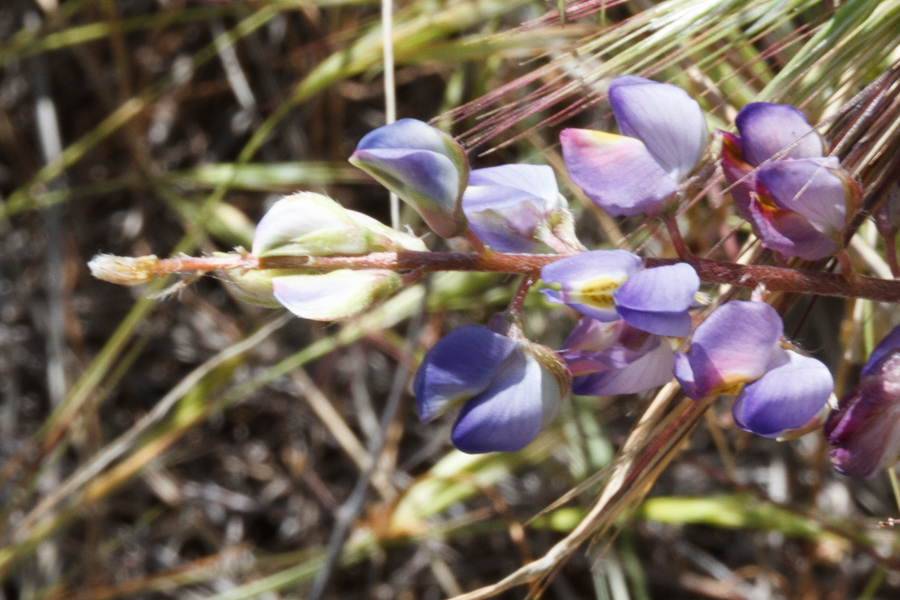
column 865, row 427
column 738, row 350
column 506, row 205
column 797, row 200
column 612, row 284
column 424, row 166
column 509, row 390
column 664, row 134
column 606, row 359
column 765, row 130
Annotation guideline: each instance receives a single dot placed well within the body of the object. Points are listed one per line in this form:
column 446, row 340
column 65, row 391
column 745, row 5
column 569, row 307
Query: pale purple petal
column 731, row 347
column 767, row 128
column 665, row 118
column 809, row 187
column 336, row 295
column 405, row 133
column 572, row 272
column 884, row 347
column 504, row 218
column 461, row 365
column 594, row 346
column 649, row 371
column 657, row 300
column 670, row 323
column 789, row 233
column 538, row 180
column 617, row 172
column 589, row 279
column 684, row 373
column 509, row 414
column 792, row 391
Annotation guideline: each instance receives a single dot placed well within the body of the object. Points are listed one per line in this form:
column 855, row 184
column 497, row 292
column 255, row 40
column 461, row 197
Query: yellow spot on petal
column 598, row 292
column 730, row 386
column 602, row 138
column 601, row 286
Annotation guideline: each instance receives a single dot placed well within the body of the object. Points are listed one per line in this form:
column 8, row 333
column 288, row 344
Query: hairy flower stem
column 775, row 279
column 518, row 301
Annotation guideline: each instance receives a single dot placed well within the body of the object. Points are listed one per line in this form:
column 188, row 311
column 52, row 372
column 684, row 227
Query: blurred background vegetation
column 185, row 445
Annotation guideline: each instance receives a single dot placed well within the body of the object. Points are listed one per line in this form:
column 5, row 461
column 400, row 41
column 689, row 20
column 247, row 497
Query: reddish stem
column 775, row 279
column 515, row 305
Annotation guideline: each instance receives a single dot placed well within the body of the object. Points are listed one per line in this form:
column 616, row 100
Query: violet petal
column 731, row 347
column 617, row 172
column 665, row 118
column 507, row 415
column 767, row 128
column 791, row 392
column 657, row 300
column 461, row 365
column 790, row 233
column 649, row 371
column 885, row 346
column 809, row 187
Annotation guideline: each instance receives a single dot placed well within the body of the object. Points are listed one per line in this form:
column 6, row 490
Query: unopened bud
column 123, row 270
column 337, row 295
column 309, row 224
column 424, row 166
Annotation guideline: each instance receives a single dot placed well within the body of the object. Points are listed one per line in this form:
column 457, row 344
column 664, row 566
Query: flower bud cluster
column 308, row 224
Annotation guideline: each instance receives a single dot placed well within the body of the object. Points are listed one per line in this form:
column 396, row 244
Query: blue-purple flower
column 664, row 134
column 606, row 359
column 424, row 166
column 865, row 427
column 738, row 350
column 507, row 206
column 611, row 284
column 797, row 200
column 509, row 389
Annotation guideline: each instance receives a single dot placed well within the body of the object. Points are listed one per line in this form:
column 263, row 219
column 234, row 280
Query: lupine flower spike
column 865, row 427
column 511, row 207
column 606, row 359
column 611, row 284
column 509, row 389
column 664, row 135
column 424, row 166
column 799, row 202
column 738, row 350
